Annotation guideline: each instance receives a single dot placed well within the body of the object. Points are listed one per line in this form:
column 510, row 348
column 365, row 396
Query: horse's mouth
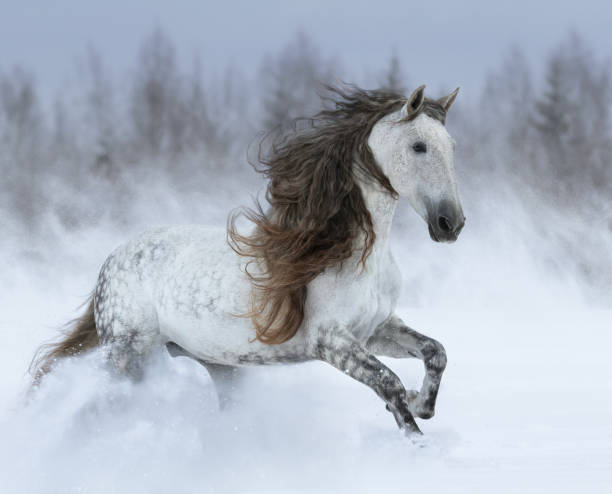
column 432, row 234
column 445, row 220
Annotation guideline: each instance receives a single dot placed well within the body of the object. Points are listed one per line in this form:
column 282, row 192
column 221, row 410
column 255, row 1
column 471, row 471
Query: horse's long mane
column 317, row 210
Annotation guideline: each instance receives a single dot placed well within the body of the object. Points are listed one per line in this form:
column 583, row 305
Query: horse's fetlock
column 396, row 395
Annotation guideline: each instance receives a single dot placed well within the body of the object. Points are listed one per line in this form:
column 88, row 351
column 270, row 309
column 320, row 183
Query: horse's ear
column 447, row 101
column 415, row 101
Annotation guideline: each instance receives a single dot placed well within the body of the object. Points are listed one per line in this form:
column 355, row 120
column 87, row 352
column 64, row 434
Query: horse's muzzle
column 445, row 223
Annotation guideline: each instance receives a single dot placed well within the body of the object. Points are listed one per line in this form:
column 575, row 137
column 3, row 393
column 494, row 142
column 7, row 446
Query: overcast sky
column 439, row 43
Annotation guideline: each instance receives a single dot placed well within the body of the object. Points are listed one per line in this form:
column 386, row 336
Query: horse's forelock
column 435, row 110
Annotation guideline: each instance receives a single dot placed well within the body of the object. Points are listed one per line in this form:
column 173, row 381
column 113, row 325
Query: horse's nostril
column 444, row 224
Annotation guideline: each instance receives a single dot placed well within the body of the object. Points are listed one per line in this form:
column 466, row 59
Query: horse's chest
column 359, row 300
column 382, row 287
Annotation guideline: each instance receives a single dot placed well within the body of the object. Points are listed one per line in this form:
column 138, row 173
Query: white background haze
column 522, row 302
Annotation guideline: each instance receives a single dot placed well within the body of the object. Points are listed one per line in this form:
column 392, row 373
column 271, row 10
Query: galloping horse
column 315, row 278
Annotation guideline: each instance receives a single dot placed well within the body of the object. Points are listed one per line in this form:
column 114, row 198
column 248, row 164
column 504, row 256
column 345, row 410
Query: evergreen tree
column 553, row 108
column 393, row 79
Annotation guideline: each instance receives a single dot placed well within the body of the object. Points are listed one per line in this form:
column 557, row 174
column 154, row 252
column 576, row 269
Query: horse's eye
column 419, row 147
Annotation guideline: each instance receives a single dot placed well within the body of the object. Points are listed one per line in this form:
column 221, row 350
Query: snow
column 525, row 404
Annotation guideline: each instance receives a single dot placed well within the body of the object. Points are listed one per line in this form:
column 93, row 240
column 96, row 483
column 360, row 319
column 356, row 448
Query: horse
column 313, row 280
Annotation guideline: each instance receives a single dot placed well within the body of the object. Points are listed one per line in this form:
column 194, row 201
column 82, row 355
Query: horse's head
column 414, row 150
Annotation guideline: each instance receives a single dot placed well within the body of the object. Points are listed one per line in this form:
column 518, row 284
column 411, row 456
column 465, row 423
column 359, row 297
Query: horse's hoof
column 410, row 426
column 412, row 430
column 425, row 414
column 416, row 407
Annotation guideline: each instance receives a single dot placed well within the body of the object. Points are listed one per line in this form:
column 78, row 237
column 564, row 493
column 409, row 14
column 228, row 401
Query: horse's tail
column 80, row 335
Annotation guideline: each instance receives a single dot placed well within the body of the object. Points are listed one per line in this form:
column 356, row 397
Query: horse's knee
column 434, row 356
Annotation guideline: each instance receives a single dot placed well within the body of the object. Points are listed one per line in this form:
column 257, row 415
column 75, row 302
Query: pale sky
column 452, row 43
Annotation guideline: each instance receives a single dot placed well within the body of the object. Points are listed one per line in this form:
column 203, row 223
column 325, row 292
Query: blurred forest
column 541, row 139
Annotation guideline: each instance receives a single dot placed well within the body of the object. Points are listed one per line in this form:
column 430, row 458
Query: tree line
column 548, row 130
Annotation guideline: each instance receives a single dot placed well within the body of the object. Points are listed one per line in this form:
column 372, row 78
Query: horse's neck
column 382, row 206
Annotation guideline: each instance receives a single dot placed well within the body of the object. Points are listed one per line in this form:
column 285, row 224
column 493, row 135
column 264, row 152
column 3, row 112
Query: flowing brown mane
column 317, row 210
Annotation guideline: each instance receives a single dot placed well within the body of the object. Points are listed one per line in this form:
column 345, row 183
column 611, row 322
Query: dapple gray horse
column 186, row 287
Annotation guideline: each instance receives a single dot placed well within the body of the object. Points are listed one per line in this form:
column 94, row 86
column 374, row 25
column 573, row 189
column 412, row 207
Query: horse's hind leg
column 129, row 331
column 129, row 355
column 225, row 378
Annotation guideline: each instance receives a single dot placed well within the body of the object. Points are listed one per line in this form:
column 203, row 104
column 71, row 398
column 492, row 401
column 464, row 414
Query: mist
column 522, row 301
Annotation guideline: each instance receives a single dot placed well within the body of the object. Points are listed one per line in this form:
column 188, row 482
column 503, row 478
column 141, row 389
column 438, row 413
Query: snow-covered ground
column 525, row 405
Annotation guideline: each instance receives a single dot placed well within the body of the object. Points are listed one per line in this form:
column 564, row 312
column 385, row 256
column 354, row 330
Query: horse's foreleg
column 347, row 355
column 394, row 339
